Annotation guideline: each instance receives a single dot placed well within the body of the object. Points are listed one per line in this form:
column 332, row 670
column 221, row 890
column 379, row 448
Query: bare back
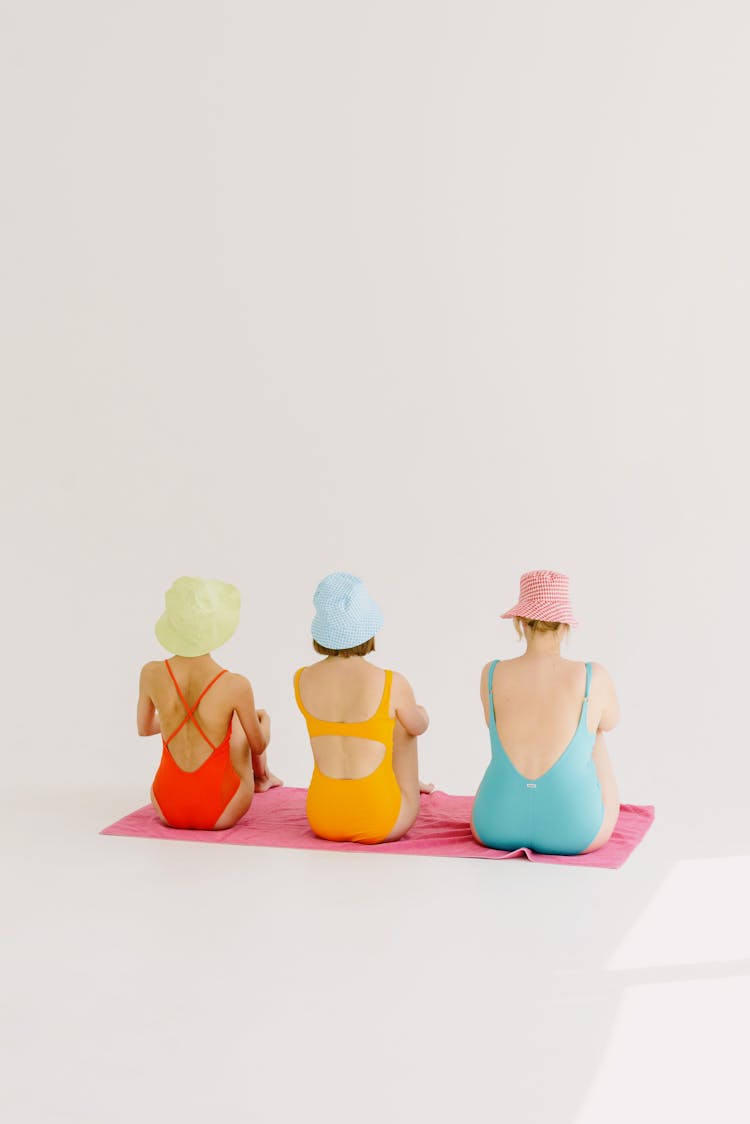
column 538, row 703
column 214, row 712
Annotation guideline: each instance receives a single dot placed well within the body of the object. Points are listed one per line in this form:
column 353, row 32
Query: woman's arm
column 413, row 718
column 610, row 703
column 484, row 692
column 256, row 724
column 147, row 719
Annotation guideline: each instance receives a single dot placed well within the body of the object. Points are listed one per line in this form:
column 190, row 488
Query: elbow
column 419, row 726
column 606, row 725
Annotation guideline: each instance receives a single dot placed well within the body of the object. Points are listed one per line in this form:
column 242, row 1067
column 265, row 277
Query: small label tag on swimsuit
column 531, row 786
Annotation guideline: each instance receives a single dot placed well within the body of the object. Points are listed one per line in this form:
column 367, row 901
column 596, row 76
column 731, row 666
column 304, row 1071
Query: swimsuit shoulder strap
column 588, row 683
column 297, row 694
column 205, row 690
column 176, row 731
column 183, row 700
column 385, row 700
column 190, row 712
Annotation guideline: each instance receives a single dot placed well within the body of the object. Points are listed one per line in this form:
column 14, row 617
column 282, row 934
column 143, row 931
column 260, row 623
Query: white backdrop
column 434, row 292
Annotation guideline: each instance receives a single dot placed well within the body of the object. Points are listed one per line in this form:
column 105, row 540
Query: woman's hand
column 264, row 779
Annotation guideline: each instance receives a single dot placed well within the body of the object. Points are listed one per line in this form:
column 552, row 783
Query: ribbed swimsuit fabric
column 195, row 799
column 558, row 813
column 362, row 810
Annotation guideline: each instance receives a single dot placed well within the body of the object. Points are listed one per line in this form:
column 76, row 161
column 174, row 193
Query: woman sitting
column 363, row 724
column 545, row 789
column 214, row 756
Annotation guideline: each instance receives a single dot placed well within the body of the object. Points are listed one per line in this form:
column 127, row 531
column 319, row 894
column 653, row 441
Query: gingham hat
column 345, row 614
column 544, row 596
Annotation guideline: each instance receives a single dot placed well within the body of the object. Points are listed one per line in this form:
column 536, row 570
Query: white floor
column 169, row 981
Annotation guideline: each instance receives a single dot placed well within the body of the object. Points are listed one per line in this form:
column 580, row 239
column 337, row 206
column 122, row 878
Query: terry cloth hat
column 345, row 614
column 544, row 596
column 200, row 615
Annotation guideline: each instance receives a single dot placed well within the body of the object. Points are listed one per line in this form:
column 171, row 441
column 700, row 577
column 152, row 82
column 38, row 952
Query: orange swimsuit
column 195, row 799
column 354, row 811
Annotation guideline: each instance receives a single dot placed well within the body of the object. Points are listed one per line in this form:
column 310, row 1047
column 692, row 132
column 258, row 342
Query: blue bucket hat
column 345, row 614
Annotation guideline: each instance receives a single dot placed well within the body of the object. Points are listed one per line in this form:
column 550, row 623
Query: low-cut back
column 557, row 812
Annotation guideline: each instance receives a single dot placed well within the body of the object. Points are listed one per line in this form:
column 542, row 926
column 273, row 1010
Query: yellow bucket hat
column 200, row 615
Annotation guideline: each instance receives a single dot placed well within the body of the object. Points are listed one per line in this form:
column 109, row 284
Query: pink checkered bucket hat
column 544, row 596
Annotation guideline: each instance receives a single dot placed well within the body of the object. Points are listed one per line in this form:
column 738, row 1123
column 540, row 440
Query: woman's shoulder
column 498, row 667
column 311, row 670
column 600, row 680
column 380, row 675
column 499, row 662
column 234, row 680
column 150, row 669
column 585, row 663
column 402, row 692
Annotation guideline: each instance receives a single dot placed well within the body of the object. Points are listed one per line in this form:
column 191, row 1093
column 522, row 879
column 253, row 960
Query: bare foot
column 268, row 780
column 425, row 786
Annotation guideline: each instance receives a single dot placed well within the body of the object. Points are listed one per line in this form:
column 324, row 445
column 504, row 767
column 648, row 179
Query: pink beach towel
column 277, row 819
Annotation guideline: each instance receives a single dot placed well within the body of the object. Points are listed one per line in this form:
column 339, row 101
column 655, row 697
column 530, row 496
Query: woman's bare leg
column 610, row 794
column 264, row 778
column 158, row 810
column 406, row 768
column 239, row 755
column 247, row 764
column 236, row 807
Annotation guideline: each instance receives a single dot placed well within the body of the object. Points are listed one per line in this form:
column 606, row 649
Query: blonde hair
column 537, row 626
column 363, row 649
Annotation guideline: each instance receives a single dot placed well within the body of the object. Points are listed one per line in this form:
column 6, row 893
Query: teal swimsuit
column 559, row 813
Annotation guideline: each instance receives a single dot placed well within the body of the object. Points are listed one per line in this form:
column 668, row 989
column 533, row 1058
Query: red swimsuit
column 195, row 799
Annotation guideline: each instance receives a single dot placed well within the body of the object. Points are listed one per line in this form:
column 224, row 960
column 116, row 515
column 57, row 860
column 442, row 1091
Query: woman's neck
column 196, row 662
column 543, row 644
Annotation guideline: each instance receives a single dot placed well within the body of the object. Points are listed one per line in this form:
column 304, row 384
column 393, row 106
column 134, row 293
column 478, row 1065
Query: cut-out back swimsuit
column 195, row 799
column 363, row 810
column 559, row 813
